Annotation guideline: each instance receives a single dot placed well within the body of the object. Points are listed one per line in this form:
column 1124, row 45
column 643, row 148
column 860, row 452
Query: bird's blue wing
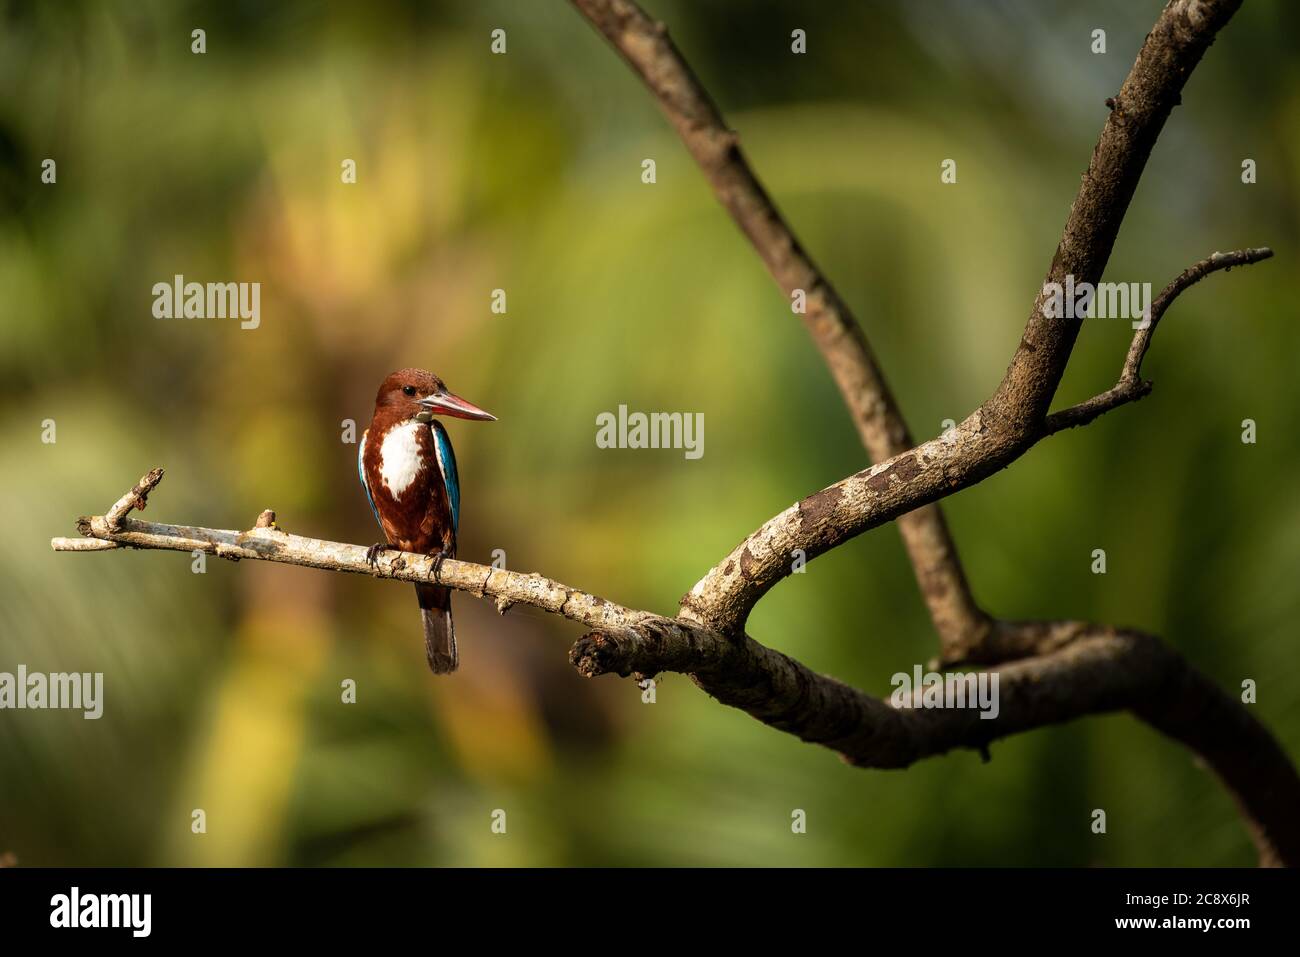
column 361, row 471
column 447, row 463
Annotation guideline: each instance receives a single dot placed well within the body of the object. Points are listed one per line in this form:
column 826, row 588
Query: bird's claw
column 373, row 553
column 438, row 557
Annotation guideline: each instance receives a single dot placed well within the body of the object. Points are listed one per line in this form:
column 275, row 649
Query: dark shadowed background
column 523, row 172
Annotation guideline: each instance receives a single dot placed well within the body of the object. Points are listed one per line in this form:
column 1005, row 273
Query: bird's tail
column 439, row 636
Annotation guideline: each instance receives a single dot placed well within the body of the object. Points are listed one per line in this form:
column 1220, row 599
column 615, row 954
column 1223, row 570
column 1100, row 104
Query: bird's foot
column 440, row 556
column 374, row 551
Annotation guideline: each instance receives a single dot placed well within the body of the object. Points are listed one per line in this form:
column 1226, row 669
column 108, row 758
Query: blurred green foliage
column 523, row 172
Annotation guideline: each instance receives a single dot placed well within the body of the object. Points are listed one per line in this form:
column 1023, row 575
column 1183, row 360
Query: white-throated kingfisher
column 409, row 473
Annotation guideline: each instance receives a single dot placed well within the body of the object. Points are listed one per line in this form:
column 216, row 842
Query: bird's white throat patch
column 400, row 457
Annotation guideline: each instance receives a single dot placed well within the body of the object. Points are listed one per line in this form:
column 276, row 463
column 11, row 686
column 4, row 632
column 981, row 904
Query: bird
column 408, row 470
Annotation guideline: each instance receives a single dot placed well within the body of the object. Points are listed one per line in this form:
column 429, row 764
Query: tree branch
column 135, row 499
column 1130, row 387
column 267, row 542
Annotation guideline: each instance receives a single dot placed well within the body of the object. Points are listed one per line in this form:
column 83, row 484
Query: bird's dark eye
column 408, row 389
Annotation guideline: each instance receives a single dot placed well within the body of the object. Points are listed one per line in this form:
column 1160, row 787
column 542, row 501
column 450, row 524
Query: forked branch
column 1130, row 387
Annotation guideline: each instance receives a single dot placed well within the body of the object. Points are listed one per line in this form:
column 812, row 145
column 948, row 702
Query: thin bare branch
column 1131, row 386
column 267, row 542
column 82, row 545
column 136, row 499
column 1121, row 393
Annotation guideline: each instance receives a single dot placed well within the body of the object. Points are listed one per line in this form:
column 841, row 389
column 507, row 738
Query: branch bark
column 267, row 542
column 1130, row 386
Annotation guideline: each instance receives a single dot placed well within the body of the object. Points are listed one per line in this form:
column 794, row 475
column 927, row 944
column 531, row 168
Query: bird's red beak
column 453, row 405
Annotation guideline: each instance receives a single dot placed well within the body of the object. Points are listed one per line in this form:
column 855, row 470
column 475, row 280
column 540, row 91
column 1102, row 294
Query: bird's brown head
column 419, row 394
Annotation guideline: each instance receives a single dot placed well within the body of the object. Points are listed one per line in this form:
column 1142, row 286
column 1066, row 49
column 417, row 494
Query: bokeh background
column 522, row 171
